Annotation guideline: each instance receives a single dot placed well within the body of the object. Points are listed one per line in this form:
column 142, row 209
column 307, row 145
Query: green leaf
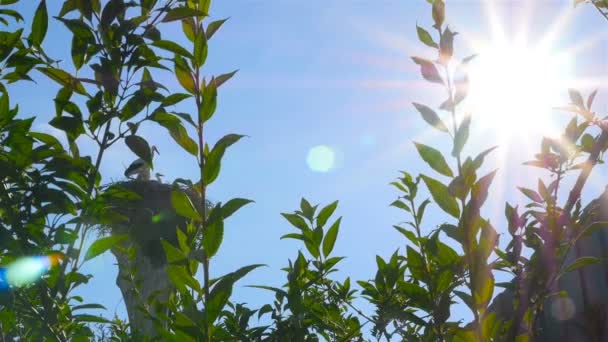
column 582, row 262
column 78, row 28
column 221, row 291
column 200, row 49
column 325, row 213
column 177, row 131
column 88, row 306
column 214, row 158
column 431, row 117
column 102, row 245
column 110, row 11
column 182, row 13
column 399, row 204
column 64, row 79
column 296, row 221
column 434, row 158
column 408, row 234
column 418, row 295
column 90, row 319
column 209, row 102
column 134, row 105
column 39, row 24
column 428, row 70
column 140, row 147
column 214, row 26
column 174, row 255
column 78, row 51
column 180, row 278
column 233, row 205
column 212, row 237
column 462, row 135
column 293, row 236
column 184, row 74
column 484, row 287
column 72, row 126
column 172, row 47
column 183, row 205
column 425, row 37
column 441, row 196
column 330, row 238
column 174, row 99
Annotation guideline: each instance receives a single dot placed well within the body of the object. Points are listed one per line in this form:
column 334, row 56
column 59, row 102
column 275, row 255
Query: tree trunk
column 148, row 281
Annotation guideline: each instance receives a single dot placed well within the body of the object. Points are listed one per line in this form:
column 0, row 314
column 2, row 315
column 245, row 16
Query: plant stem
column 203, row 189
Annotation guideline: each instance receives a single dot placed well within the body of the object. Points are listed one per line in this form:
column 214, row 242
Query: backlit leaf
column 214, row 159
column 183, row 205
column 431, row 117
column 181, row 13
column 330, row 238
column 462, row 135
column 425, row 37
column 325, row 213
column 441, row 196
column 434, row 158
column 102, row 245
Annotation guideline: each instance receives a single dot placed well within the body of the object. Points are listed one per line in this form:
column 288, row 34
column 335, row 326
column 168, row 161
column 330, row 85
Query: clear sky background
column 336, row 73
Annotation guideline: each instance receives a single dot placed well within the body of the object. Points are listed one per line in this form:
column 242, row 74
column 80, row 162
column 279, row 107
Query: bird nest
column 142, row 209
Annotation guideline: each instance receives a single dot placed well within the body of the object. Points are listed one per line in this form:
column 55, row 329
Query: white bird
column 140, row 167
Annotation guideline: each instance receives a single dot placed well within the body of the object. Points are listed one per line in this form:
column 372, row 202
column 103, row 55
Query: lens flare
column 27, row 270
column 321, row 158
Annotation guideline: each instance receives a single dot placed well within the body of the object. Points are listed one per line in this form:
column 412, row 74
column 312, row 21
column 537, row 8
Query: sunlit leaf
column 425, row 37
column 183, row 205
column 462, row 135
column 431, row 117
column 213, row 237
column 214, row 159
column 325, row 213
column 102, row 245
column 233, row 205
column 441, row 196
column 330, row 238
column 181, row 13
column 172, row 47
column 221, row 291
column 213, row 27
column 434, row 158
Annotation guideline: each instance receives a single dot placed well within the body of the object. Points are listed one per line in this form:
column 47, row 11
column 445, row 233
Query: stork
column 140, row 167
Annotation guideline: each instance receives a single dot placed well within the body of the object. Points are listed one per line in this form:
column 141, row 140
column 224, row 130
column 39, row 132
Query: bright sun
column 514, row 87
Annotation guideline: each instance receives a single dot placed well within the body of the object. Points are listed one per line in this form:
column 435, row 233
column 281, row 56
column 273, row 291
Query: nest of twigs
column 143, row 210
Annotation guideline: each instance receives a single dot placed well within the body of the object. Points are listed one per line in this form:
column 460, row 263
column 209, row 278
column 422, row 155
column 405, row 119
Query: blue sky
column 335, row 73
